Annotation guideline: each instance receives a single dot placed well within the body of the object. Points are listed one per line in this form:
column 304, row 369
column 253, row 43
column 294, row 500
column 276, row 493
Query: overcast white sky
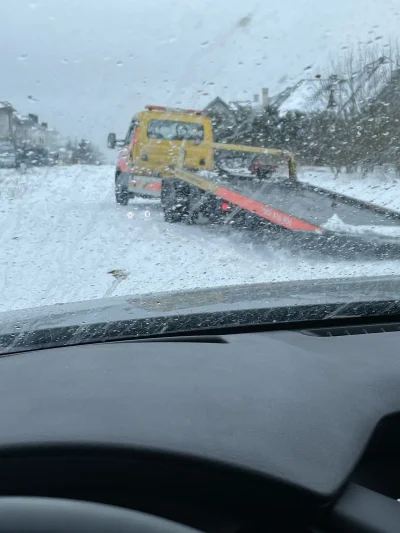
column 90, row 64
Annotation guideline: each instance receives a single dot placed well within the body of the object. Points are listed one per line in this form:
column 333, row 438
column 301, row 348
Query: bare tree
column 356, row 77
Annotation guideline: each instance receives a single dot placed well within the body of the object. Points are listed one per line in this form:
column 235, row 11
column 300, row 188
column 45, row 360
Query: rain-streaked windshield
column 169, row 130
column 154, row 147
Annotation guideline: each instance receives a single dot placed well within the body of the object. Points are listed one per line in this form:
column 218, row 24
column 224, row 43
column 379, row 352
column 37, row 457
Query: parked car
column 263, row 166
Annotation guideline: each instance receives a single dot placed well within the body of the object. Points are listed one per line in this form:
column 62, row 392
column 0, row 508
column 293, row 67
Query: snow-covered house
column 342, row 93
column 238, row 115
column 301, row 97
column 28, row 130
column 218, row 108
column 228, row 111
column 6, row 121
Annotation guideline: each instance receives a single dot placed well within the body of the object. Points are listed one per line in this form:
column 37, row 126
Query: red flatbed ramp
column 312, row 206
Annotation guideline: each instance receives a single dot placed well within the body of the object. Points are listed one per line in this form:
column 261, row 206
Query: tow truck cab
column 154, row 137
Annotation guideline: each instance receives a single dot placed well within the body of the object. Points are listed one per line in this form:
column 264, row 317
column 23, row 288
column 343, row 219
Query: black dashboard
column 238, row 433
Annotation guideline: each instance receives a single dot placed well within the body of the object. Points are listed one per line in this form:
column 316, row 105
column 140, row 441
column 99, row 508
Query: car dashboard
column 239, row 433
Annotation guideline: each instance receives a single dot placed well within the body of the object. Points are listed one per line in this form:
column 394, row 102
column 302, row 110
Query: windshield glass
column 170, row 130
column 158, row 148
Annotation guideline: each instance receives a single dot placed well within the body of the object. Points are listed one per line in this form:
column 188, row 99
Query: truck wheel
column 122, row 197
column 174, row 200
column 121, row 190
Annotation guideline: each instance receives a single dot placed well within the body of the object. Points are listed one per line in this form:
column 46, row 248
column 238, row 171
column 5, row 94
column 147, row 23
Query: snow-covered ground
column 381, row 187
column 62, row 233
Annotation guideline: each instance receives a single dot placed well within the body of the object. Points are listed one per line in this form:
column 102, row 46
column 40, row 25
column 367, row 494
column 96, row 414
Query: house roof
column 255, row 107
column 300, row 97
column 6, row 105
column 22, row 118
column 233, row 107
column 216, row 102
column 25, row 120
column 313, row 95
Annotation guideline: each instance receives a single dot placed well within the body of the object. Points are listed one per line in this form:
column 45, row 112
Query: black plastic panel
column 360, row 510
column 290, row 407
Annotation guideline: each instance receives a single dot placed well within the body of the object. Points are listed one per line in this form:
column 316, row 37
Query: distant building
column 217, row 108
column 341, row 94
column 6, row 120
column 237, row 116
column 27, row 130
column 227, row 111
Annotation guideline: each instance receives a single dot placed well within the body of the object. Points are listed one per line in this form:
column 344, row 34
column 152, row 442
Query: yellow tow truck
column 151, row 148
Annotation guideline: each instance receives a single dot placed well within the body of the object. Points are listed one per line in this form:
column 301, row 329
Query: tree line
column 81, row 152
column 357, row 126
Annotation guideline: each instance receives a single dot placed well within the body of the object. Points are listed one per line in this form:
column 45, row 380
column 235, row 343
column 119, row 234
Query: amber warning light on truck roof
column 162, row 108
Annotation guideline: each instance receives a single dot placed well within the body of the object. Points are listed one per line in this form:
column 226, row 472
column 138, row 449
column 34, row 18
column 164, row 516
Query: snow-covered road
column 62, row 233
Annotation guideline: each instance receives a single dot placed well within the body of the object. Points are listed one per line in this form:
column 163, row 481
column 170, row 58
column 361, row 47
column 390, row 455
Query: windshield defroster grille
column 351, row 330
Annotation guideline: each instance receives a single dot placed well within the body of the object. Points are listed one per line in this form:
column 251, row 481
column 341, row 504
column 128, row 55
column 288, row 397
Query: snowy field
column 381, row 187
column 62, row 233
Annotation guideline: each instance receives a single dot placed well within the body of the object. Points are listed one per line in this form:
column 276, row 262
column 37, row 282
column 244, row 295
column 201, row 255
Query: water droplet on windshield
column 120, row 63
column 205, row 43
column 65, row 61
column 23, row 57
column 244, row 21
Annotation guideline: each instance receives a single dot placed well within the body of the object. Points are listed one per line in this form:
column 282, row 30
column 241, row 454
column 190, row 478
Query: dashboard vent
column 341, row 331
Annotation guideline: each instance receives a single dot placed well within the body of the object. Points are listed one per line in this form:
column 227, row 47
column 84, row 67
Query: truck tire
column 122, row 197
column 121, row 190
column 174, row 200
